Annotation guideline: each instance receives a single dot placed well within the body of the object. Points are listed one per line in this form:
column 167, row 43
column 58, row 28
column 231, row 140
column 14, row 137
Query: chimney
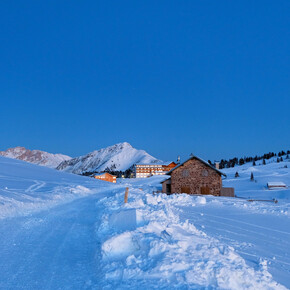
column 217, row 165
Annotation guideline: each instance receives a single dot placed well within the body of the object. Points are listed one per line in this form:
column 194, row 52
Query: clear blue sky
column 169, row 77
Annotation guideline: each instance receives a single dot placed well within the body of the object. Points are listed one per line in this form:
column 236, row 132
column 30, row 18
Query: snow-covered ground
column 62, row 231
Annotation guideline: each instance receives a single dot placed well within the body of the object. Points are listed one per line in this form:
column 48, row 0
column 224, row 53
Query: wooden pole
column 126, row 195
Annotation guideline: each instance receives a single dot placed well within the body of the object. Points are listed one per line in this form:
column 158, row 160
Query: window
column 185, row 173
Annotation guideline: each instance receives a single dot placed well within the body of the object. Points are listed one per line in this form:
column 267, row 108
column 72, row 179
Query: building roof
column 201, row 160
column 157, row 163
column 282, row 184
column 101, row 174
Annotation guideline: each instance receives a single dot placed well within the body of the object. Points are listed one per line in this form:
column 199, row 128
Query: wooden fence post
column 126, row 195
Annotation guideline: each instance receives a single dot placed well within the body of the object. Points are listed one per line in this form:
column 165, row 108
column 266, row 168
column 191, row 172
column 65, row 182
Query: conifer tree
column 264, row 162
column 237, row 174
column 252, row 176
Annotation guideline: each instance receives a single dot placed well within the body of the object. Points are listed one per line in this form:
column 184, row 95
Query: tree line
column 224, row 163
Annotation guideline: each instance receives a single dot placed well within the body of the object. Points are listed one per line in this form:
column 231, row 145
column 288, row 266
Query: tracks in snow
column 36, row 186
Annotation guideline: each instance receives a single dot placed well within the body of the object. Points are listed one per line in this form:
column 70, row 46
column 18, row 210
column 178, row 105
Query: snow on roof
column 99, row 174
column 276, row 183
column 104, row 173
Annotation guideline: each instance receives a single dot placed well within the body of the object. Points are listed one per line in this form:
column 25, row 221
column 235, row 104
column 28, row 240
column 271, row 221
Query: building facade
column 194, row 176
column 146, row 170
column 106, row 177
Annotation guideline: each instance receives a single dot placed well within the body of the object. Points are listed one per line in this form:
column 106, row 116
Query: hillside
column 270, row 172
column 117, row 157
column 35, row 156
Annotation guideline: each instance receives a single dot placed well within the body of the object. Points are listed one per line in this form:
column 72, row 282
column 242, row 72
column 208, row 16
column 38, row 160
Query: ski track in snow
column 270, row 243
column 36, row 186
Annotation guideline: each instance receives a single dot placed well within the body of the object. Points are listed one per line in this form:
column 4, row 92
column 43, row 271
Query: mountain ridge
column 38, row 157
column 120, row 156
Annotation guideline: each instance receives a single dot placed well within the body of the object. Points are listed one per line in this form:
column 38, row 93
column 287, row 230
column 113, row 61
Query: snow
column 63, row 231
column 276, row 184
column 165, row 250
column 25, row 187
column 117, row 157
column 35, row 156
column 263, row 174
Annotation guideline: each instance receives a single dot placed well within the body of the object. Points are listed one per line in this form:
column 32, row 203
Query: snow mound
column 120, row 246
column 201, row 200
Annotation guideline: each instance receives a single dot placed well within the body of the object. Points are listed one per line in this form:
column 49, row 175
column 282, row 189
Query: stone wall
column 194, row 177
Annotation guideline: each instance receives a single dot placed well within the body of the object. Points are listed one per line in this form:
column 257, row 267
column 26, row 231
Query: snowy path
column 53, row 249
column 254, row 236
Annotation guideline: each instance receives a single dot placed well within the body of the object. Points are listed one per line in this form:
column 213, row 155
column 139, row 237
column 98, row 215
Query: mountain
column 35, row 156
column 117, row 157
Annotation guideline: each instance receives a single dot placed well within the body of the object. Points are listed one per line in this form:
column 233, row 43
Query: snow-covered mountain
column 35, row 156
column 117, row 157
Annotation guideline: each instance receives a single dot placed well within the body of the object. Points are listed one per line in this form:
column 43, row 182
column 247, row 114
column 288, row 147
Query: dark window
column 185, row 173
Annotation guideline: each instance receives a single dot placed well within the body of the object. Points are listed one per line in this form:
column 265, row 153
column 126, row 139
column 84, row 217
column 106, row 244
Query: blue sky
column 169, row 77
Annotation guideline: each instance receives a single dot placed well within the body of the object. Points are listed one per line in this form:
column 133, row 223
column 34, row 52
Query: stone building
column 194, row 176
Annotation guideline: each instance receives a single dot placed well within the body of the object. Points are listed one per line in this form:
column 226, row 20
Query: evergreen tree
column 237, row 174
column 278, row 160
column 264, row 162
column 254, row 163
column 252, row 176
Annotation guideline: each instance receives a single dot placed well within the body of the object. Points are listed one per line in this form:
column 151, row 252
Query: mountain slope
column 35, row 156
column 117, row 157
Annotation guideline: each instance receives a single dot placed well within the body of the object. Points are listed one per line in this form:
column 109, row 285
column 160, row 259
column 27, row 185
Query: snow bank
column 162, row 251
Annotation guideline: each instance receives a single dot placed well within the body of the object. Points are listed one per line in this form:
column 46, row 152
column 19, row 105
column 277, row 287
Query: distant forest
column 240, row 161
